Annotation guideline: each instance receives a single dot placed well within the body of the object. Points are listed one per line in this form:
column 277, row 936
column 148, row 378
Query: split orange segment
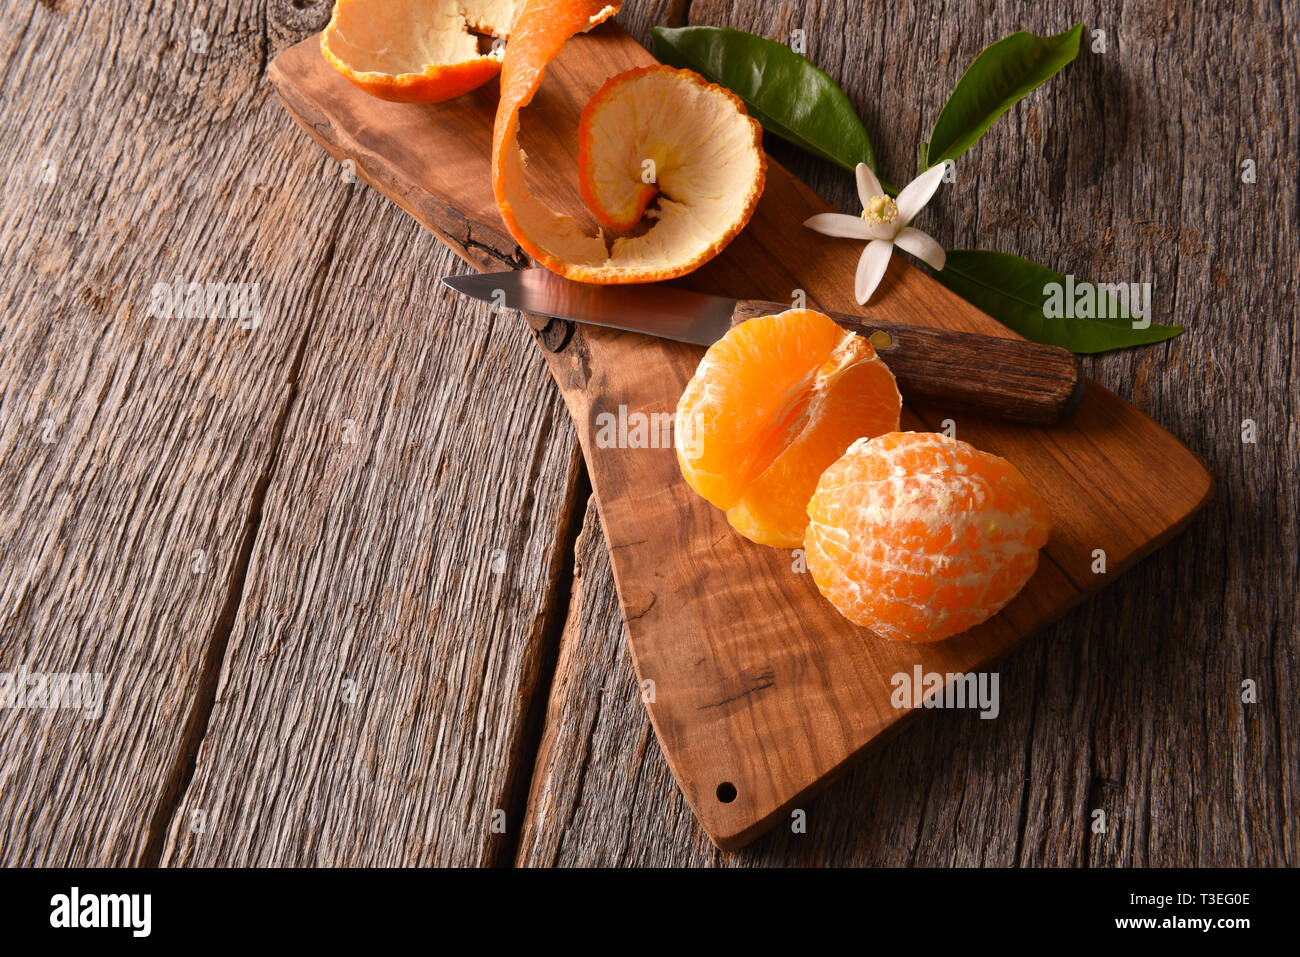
column 773, row 403
column 918, row 536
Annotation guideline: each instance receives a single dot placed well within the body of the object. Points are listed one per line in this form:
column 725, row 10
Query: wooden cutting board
column 759, row 691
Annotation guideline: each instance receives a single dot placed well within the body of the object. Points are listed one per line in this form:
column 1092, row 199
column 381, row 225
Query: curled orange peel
column 701, row 149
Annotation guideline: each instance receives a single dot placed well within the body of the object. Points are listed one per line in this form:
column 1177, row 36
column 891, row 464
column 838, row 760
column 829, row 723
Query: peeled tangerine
column 773, row 403
column 918, row 536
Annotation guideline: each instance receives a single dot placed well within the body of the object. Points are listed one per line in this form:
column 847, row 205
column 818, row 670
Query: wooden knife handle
column 1011, row 379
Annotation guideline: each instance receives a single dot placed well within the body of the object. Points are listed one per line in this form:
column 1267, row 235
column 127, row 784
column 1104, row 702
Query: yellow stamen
column 880, row 209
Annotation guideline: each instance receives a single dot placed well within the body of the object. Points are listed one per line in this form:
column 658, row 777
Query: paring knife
column 1008, row 379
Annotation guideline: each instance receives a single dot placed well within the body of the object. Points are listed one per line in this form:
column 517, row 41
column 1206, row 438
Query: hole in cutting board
column 726, row 792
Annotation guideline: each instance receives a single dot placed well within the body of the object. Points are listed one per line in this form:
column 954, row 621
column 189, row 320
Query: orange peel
column 706, row 154
column 419, row 51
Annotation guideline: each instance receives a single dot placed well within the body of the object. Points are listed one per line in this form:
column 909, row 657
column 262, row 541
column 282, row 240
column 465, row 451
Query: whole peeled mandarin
column 918, row 536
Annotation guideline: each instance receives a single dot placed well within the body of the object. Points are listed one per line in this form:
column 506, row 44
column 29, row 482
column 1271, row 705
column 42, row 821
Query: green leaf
column 1016, row 292
column 781, row 89
column 1001, row 76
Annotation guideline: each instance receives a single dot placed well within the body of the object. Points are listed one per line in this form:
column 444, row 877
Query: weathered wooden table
column 339, row 567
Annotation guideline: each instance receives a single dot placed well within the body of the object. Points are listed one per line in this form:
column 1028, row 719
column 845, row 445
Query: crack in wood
column 644, row 611
column 517, row 260
column 548, row 639
column 555, row 335
column 196, row 724
column 765, row 680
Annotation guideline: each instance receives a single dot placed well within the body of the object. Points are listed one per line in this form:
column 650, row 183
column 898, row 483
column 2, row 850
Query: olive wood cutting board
column 759, row 692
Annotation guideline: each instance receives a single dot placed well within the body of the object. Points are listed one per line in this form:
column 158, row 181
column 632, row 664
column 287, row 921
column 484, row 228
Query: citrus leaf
column 1014, row 291
column 1002, row 75
column 787, row 94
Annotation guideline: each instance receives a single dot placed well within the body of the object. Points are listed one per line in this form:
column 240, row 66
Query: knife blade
column 957, row 372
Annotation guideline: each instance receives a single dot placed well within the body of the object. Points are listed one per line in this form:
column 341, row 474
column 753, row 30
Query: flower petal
column 918, row 192
column 871, row 269
column 922, row 246
column 868, row 185
column 838, row 224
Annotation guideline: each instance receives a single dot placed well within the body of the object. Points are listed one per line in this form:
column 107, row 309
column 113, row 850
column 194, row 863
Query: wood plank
column 123, row 525
column 375, row 705
column 1130, row 703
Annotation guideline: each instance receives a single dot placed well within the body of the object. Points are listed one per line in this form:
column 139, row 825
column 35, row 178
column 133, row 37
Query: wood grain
column 422, row 562
column 375, row 698
column 123, row 526
column 764, row 694
column 1131, row 703
column 616, row 804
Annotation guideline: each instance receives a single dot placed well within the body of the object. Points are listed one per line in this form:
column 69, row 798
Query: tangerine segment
column 773, row 403
column 918, row 536
column 418, row 51
column 699, row 135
